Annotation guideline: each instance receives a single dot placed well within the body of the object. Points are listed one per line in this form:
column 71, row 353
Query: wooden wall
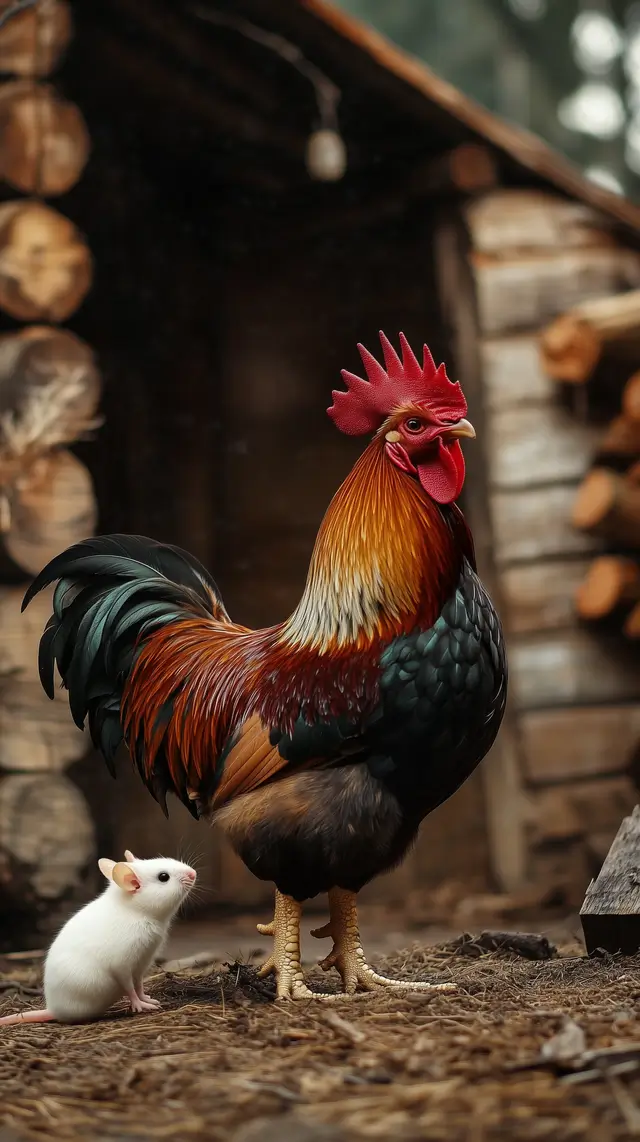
column 575, row 694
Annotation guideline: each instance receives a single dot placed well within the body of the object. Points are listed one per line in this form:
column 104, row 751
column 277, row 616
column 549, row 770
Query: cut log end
column 611, row 582
column 631, row 397
column 595, row 499
column 569, row 350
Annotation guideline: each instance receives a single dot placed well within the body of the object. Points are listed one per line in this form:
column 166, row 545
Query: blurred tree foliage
column 518, row 58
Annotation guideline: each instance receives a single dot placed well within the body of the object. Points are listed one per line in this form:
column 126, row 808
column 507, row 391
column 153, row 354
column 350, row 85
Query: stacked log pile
column 49, row 395
column 607, row 505
column 561, row 787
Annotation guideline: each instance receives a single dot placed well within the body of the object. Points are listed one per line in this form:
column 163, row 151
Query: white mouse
column 102, row 953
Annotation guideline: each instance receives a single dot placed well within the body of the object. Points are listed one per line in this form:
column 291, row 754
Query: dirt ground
column 222, row 1061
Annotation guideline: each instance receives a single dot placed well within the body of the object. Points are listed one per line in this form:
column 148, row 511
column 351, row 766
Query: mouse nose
column 191, row 874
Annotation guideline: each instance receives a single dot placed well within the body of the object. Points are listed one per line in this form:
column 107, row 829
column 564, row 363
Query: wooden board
column 527, row 291
column 536, row 524
column 540, row 596
column 512, row 373
column 538, row 444
column 561, row 745
column 509, row 220
column 572, row 668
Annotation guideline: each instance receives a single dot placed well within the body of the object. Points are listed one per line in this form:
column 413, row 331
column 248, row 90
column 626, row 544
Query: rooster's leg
column 285, row 961
column 347, row 954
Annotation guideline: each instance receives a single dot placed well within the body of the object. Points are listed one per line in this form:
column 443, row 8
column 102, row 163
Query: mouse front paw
column 139, row 1005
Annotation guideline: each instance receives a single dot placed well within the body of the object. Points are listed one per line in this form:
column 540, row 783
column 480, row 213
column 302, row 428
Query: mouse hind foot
column 43, row 1016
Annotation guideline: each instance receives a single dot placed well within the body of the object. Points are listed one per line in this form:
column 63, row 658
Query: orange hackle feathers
column 201, row 690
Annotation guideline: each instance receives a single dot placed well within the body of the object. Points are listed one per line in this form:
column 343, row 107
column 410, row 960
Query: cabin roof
column 452, row 109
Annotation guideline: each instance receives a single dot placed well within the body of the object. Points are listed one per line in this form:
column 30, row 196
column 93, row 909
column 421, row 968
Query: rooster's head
column 415, row 410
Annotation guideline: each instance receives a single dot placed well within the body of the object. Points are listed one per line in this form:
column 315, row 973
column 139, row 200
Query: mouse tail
column 43, row 1016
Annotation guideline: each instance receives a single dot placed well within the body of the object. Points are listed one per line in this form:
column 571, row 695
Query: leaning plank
column 527, row 291
column 536, row 524
column 509, row 220
column 540, row 596
column 610, row 913
column 562, row 745
column 512, row 372
column 572, row 668
column 537, row 444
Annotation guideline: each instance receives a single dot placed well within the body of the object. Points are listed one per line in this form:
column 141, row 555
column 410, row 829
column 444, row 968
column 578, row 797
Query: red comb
column 367, row 403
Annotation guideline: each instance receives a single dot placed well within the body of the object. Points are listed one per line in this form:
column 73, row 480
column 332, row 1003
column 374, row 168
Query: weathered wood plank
column 610, row 913
column 561, row 745
column 537, row 444
column 527, row 291
column 536, row 524
column 540, row 596
column 512, row 372
column 572, row 667
column 508, row 220
column 579, row 809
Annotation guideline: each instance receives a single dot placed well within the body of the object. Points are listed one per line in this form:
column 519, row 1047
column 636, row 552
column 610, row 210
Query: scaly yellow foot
column 285, row 961
column 347, row 955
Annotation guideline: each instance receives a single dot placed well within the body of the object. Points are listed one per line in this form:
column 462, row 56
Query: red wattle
column 442, row 476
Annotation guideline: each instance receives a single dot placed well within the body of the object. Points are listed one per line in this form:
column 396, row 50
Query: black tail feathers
column 112, row 592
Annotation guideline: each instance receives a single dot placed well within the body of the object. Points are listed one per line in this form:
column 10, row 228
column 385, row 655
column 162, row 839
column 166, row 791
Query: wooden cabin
column 231, row 273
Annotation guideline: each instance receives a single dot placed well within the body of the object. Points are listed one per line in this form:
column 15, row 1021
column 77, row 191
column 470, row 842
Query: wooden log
column 33, row 41
column 571, row 346
column 37, row 735
column 608, row 505
column 536, row 444
column 579, row 742
column 509, row 220
column 526, row 291
column 45, row 266
column 540, row 596
column 20, row 633
column 44, row 142
column 631, row 397
column 631, row 626
column 468, row 168
column 47, row 854
column 512, row 373
column 611, row 584
column 572, row 668
column 536, row 524
column 610, row 913
column 620, row 445
column 50, row 507
column 49, row 393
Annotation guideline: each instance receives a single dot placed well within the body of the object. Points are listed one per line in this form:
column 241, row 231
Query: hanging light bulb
column 326, row 155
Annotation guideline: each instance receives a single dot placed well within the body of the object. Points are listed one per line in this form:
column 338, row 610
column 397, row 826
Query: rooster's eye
column 414, row 424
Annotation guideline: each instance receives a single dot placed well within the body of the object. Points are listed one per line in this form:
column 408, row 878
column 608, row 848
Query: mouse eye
column 164, row 876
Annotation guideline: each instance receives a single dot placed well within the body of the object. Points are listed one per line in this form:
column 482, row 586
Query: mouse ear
column 125, row 877
column 128, row 856
column 106, row 867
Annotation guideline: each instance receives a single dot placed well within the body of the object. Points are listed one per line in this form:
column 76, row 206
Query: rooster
column 319, row 744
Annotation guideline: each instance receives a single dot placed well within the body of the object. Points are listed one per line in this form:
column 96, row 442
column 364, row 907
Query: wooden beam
column 502, row 769
column 580, row 742
column 610, row 913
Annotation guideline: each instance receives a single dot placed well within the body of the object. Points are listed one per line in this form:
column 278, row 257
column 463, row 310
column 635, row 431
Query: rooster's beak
column 462, row 428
